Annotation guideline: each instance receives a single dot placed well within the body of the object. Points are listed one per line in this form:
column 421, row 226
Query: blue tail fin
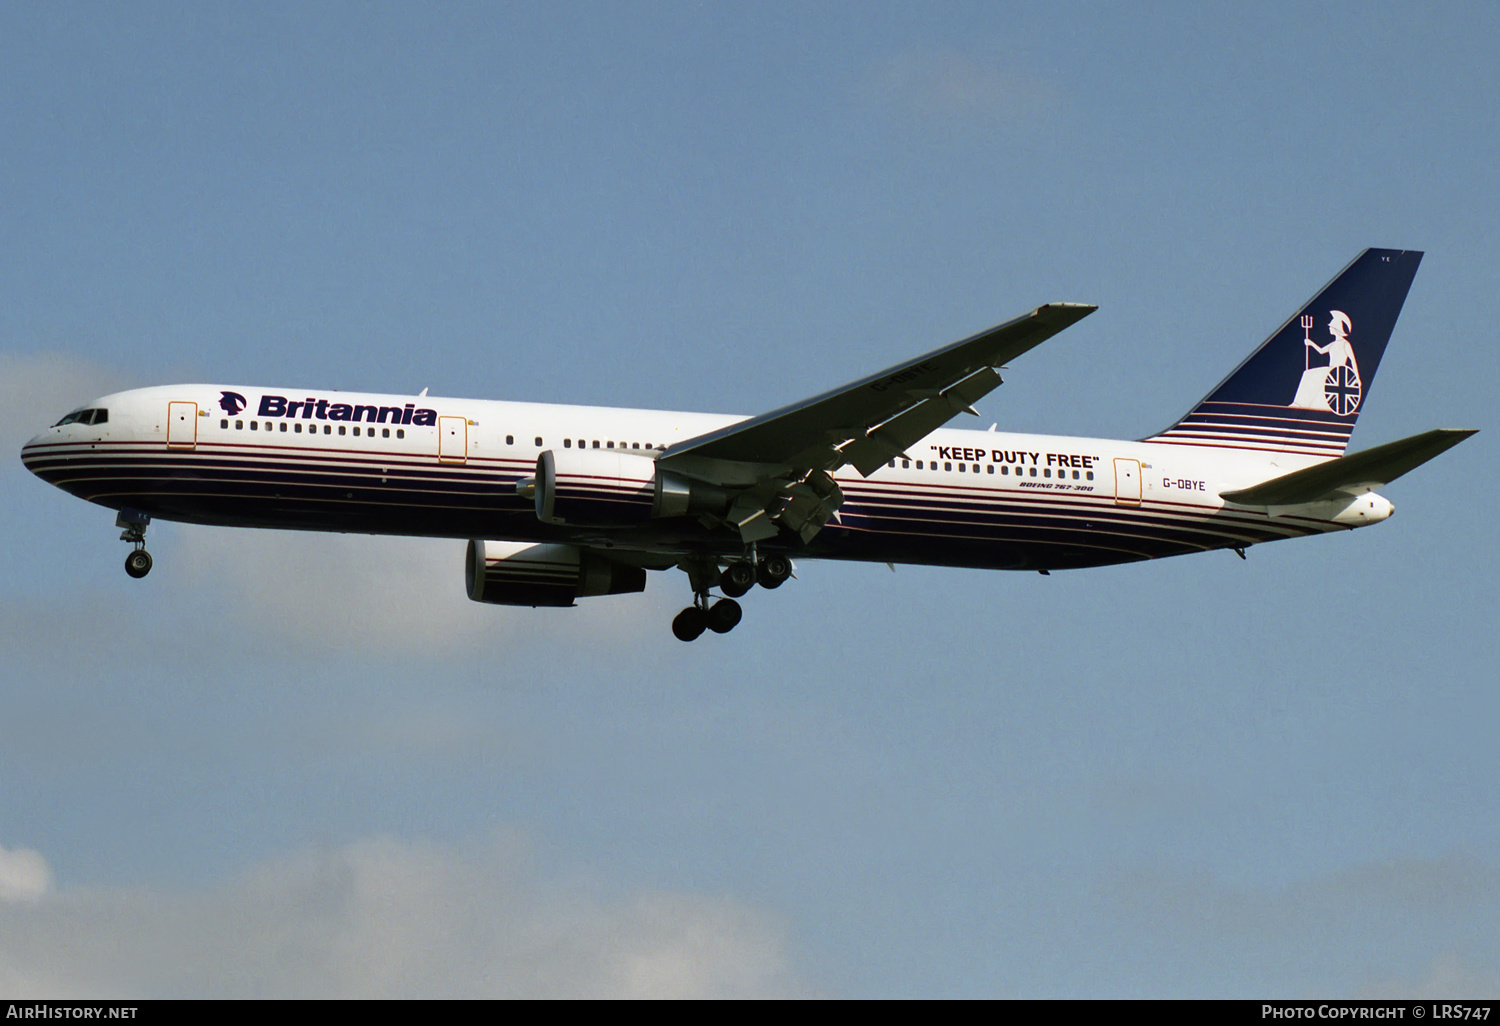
column 1302, row 390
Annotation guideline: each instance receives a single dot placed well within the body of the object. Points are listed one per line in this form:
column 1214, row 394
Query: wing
column 1353, row 474
column 869, row 421
column 781, row 461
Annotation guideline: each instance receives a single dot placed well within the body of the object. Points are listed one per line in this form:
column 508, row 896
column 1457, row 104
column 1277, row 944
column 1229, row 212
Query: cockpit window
column 85, row 417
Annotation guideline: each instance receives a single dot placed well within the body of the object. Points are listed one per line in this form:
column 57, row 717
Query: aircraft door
column 453, row 439
column 182, row 425
column 1127, row 482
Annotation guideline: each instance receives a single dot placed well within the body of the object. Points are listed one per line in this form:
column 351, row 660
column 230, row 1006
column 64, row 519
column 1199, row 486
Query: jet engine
column 524, row 574
column 610, row 488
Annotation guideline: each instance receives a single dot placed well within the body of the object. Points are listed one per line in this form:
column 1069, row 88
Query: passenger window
column 255, row 425
column 919, row 464
column 239, row 425
column 609, row 445
column 1075, row 475
column 283, row 426
column 341, row 429
column 1047, row 472
column 1005, row 471
column 297, row 429
column 385, row 432
column 510, row 439
column 538, row 441
column 224, row 423
column 962, row 467
column 1033, row 472
column 567, row 443
column 947, row 466
column 906, row 464
column 328, row 429
column 989, row 468
column 1089, row 474
column 596, row 443
column 635, row 445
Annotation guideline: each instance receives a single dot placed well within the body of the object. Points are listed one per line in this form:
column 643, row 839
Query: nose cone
column 31, row 451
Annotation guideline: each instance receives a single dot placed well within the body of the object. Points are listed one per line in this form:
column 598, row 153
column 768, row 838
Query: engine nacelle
column 611, row 488
column 524, row 574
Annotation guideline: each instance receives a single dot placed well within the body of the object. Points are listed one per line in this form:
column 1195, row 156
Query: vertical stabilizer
column 1302, row 390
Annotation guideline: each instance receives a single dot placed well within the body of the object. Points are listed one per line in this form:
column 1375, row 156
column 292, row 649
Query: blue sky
column 296, row 764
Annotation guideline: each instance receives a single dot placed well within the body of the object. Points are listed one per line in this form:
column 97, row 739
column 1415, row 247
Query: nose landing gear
column 138, row 563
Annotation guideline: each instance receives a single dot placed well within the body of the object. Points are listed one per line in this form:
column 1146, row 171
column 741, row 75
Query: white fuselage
column 383, row 464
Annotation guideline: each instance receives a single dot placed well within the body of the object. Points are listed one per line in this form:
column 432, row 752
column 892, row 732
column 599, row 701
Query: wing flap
column 891, row 439
column 1353, row 474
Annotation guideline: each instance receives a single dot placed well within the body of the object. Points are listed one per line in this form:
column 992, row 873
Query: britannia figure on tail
column 1334, row 386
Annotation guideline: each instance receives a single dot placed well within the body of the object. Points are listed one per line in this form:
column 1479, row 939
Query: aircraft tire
column 138, row 563
column 737, row 579
column 723, row 615
column 688, row 624
column 773, row 571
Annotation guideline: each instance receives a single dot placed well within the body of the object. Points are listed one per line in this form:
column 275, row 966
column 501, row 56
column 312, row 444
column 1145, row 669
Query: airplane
column 559, row 503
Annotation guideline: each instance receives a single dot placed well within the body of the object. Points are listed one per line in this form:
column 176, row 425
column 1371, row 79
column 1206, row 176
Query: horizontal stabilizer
column 1353, row 474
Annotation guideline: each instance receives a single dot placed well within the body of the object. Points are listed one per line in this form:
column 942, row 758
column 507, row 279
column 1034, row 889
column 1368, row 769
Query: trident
column 1307, row 323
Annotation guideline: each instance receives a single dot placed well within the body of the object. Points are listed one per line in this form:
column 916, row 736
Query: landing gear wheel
column 723, row 615
column 689, row 624
column 737, row 579
column 773, row 571
column 138, row 563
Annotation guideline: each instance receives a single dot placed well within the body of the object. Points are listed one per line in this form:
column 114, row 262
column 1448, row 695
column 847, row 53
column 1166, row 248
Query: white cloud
column 389, row 918
column 1411, row 911
column 1435, row 886
column 332, row 592
column 1449, row 976
column 36, row 389
column 24, row 875
column 957, row 88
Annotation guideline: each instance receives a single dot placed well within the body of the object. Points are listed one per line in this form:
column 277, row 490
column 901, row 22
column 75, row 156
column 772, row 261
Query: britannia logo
column 231, row 402
column 1330, row 375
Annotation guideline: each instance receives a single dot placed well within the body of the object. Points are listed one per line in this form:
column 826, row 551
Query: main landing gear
column 138, row 563
column 720, row 617
column 735, row 580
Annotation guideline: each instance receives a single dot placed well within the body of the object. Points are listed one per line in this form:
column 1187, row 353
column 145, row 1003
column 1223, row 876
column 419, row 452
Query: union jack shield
column 1342, row 390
